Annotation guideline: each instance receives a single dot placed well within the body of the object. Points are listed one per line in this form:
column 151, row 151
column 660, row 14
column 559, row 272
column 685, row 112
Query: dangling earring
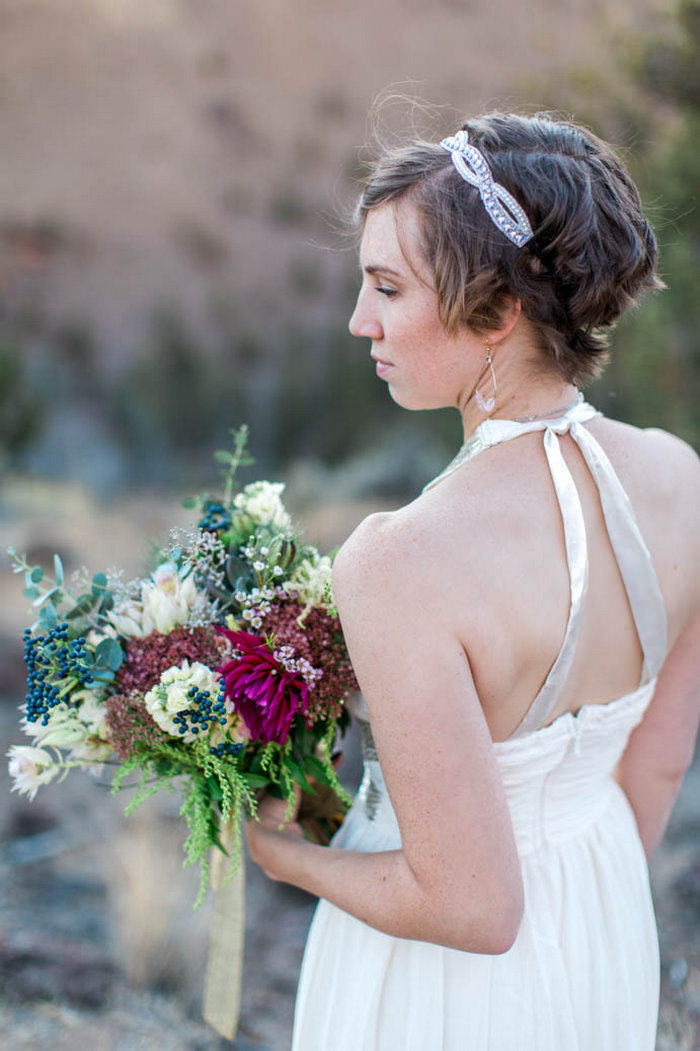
column 486, row 405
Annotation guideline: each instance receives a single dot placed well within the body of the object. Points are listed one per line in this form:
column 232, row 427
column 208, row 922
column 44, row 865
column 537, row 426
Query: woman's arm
column 661, row 749
column 456, row 881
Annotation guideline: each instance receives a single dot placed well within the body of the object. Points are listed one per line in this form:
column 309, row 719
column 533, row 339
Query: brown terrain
column 187, row 153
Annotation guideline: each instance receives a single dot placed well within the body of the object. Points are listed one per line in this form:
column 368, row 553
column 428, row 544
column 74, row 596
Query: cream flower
column 80, row 726
column 263, row 502
column 127, row 618
column 30, row 768
column 167, row 599
column 169, row 697
column 63, row 730
column 311, row 580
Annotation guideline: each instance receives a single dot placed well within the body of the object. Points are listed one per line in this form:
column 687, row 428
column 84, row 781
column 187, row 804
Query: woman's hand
column 268, row 831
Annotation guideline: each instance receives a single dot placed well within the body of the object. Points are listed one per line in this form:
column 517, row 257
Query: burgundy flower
column 261, row 690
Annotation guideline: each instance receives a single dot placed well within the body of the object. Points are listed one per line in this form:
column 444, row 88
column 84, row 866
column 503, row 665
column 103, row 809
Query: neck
column 540, row 400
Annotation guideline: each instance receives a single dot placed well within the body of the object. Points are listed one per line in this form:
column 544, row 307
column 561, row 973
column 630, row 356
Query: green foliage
column 654, row 104
column 54, row 599
column 21, row 410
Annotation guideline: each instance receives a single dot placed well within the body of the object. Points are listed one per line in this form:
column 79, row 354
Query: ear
column 509, row 318
column 510, row 315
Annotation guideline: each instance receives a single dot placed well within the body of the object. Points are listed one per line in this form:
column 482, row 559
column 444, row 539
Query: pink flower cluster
column 148, row 657
column 319, row 640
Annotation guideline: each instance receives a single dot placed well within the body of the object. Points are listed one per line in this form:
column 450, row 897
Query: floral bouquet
column 225, row 669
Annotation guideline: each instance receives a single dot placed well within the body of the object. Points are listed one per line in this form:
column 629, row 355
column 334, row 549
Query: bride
column 526, row 632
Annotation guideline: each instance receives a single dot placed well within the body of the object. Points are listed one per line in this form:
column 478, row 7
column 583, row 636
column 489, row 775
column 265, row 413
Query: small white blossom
column 263, row 502
column 30, row 768
column 311, row 579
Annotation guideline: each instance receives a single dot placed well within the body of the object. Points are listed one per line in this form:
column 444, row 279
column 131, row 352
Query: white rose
column 169, row 697
column 263, row 502
column 30, row 768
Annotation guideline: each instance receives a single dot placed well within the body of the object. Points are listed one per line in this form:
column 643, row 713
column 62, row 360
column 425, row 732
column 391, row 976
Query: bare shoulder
column 651, row 448
column 382, row 553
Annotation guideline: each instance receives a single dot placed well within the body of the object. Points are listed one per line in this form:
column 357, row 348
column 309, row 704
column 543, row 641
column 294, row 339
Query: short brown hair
column 593, row 251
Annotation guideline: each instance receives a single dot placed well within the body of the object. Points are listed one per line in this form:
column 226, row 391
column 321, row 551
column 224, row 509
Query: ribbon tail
column 221, row 1006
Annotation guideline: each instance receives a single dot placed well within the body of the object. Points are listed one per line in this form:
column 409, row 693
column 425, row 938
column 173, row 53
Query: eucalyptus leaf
column 48, row 616
column 109, row 654
column 31, row 592
column 99, row 583
column 36, row 574
column 236, row 570
column 45, row 597
column 102, row 675
column 222, row 456
column 189, row 502
column 58, row 570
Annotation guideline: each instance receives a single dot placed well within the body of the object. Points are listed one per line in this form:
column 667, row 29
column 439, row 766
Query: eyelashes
column 388, row 292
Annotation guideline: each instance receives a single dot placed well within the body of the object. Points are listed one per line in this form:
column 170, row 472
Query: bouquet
column 224, row 669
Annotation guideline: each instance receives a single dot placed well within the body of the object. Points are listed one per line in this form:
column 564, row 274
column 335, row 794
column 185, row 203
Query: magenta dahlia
column 261, row 690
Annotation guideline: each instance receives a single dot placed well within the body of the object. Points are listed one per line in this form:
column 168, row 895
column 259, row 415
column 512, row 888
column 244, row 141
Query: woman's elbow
column 494, row 928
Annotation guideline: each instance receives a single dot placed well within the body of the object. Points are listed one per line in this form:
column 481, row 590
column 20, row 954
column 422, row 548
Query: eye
column 386, row 291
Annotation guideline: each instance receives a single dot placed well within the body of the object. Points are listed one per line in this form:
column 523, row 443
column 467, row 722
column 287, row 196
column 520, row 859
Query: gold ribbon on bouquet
column 224, row 971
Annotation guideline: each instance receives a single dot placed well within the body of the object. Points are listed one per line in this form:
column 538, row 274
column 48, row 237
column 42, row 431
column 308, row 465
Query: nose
column 363, row 322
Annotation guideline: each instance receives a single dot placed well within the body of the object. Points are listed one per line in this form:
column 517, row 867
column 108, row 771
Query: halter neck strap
column 629, row 549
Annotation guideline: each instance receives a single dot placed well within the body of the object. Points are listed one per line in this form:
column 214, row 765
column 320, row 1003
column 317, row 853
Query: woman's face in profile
column 397, row 309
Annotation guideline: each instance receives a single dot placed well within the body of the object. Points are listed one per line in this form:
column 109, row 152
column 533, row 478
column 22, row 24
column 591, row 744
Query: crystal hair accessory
column 504, row 210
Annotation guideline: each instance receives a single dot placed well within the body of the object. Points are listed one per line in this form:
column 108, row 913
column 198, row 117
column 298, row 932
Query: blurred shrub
column 654, row 374
column 21, row 410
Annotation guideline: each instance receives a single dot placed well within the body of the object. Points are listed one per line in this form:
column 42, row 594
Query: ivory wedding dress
column 583, row 974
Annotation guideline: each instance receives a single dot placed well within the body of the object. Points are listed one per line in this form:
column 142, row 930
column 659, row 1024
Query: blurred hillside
column 173, row 170
column 166, row 152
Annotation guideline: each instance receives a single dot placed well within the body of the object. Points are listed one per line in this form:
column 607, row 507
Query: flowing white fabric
column 583, row 974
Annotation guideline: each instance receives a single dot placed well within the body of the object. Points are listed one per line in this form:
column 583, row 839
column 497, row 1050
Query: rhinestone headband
column 502, row 207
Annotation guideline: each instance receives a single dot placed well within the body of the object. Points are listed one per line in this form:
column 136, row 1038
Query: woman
column 526, row 633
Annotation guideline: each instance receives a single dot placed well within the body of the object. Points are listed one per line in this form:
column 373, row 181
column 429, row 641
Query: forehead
column 392, row 238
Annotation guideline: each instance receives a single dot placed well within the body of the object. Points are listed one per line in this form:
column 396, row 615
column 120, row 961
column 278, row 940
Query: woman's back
column 498, row 560
column 583, row 971
column 525, row 734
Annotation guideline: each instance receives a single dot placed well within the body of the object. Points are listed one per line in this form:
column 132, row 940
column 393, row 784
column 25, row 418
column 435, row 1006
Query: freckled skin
column 398, row 310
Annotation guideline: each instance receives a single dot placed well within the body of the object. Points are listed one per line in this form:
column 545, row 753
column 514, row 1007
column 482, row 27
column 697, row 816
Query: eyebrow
column 372, row 269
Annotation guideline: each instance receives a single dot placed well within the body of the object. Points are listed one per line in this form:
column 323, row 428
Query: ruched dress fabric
column 583, row 974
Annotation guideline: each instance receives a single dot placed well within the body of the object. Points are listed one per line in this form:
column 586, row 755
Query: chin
column 414, row 401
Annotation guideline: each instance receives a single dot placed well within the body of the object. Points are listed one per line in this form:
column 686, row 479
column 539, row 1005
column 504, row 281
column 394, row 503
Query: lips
column 380, row 361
